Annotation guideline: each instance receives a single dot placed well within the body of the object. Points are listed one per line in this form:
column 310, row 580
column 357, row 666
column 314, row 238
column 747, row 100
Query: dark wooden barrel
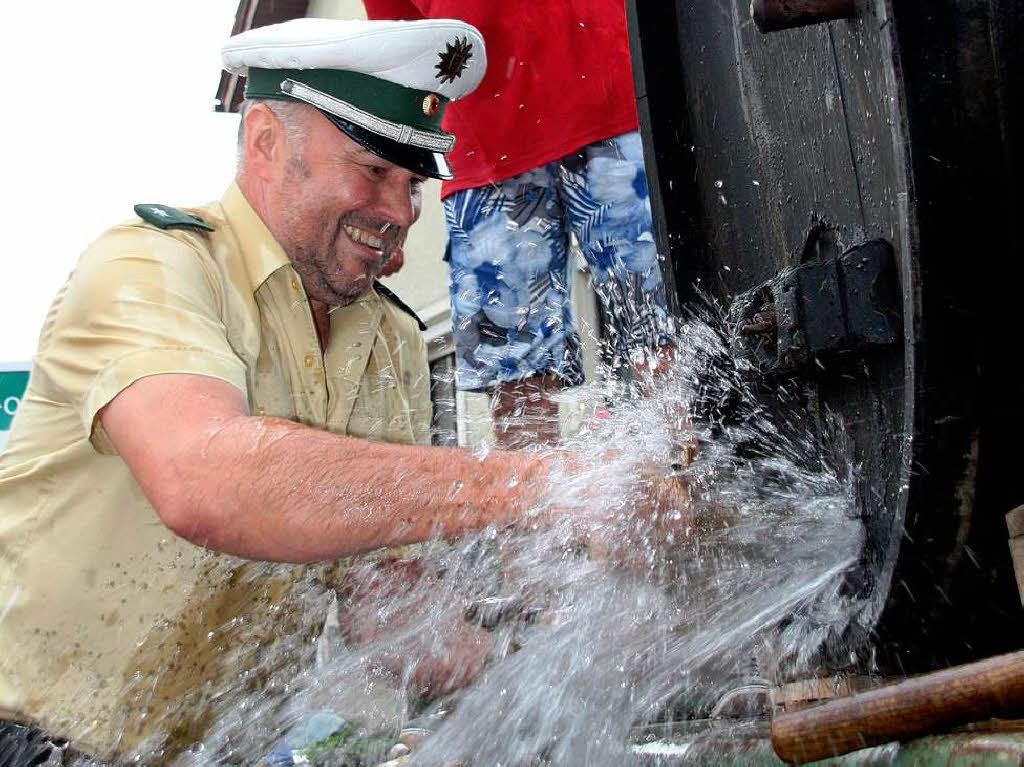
column 897, row 129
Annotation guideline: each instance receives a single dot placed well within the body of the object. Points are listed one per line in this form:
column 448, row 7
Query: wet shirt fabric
column 112, row 629
column 558, row 78
column 508, row 247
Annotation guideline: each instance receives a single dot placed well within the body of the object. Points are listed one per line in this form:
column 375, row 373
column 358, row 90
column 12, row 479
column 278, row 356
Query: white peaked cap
column 383, row 83
column 403, row 52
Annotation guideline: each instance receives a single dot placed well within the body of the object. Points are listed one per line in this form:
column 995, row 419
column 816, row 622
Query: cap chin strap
column 403, row 134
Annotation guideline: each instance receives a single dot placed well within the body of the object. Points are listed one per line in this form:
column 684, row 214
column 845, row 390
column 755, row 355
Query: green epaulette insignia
column 167, row 217
column 390, row 296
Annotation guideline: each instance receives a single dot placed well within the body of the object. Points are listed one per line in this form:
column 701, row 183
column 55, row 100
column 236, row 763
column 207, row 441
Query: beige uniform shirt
column 112, row 629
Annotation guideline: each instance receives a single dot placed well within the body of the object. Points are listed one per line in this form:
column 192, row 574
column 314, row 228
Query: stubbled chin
column 362, row 282
column 346, row 289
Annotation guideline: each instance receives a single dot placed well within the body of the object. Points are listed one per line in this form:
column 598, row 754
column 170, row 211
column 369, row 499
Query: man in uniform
column 228, row 385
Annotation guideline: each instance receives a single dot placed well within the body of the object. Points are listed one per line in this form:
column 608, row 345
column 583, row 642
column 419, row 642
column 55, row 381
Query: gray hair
column 292, row 114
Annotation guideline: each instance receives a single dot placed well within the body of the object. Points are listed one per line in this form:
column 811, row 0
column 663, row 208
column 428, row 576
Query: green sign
column 13, row 379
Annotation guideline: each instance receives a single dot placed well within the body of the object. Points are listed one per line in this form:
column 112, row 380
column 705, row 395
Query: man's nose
column 396, row 204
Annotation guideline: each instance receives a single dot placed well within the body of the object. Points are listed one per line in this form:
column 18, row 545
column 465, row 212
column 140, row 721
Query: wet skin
column 340, row 212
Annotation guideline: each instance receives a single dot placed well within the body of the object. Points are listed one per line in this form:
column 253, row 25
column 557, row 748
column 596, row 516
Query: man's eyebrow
column 363, row 153
column 360, row 154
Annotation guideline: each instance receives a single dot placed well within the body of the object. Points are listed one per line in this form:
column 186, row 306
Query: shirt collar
column 261, row 253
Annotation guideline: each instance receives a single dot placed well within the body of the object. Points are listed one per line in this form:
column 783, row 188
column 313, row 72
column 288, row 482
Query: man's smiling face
column 343, row 212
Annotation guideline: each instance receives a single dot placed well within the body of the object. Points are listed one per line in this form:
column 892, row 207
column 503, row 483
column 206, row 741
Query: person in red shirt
column 547, row 151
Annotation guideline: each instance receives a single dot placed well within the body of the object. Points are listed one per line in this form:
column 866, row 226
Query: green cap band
column 384, row 99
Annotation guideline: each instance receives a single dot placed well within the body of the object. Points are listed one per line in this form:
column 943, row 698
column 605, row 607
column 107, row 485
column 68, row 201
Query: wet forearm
column 268, row 488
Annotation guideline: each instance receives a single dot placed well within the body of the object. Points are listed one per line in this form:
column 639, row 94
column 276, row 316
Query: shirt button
column 295, row 284
column 309, row 360
column 260, row 410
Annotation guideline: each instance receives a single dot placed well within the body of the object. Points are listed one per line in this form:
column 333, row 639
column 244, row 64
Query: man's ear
column 262, row 142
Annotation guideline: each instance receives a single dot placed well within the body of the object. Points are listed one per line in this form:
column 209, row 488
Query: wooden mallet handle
column 926, row 704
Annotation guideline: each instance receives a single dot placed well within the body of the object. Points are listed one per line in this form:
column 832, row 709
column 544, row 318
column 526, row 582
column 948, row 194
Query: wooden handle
column 918, row 706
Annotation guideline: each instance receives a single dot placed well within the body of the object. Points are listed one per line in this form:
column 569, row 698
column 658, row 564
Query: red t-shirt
column 558, row 78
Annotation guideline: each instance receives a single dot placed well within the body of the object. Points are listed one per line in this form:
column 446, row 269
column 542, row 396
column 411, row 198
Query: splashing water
column 648, row 602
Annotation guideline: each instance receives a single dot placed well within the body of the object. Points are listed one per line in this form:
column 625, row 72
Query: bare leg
column 523, row 412
column 646, row 371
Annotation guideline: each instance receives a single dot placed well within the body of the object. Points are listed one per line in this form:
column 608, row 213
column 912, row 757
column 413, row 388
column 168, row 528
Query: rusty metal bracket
column 774, row 15
column 842, row 303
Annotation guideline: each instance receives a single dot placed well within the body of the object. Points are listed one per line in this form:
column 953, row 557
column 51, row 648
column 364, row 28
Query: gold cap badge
column 431, row 103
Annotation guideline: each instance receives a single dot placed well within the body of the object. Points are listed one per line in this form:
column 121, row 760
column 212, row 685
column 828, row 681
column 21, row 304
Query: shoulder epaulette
column 166, row 217
column 390, row 296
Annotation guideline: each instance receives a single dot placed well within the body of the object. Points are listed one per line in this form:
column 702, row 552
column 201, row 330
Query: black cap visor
column 422, row 161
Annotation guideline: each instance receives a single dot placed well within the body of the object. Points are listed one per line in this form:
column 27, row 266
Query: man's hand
column 657, row 511
column 389, row 599
column 660, row 516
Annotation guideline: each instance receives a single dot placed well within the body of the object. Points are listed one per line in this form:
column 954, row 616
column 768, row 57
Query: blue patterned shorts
column 508, row 245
